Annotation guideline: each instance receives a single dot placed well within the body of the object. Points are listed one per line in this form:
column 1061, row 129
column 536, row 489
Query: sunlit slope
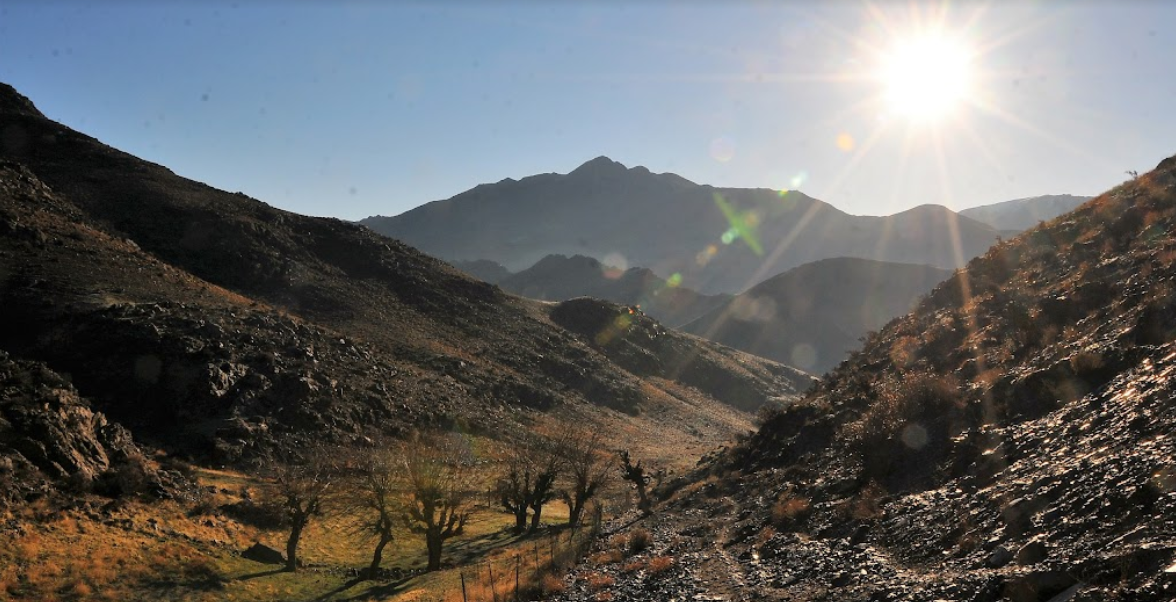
column 1008, row 439
column 715, row 239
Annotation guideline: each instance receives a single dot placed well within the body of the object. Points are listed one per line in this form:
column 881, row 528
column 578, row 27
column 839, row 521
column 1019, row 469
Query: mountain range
column 716, row 240
column 1018, row 215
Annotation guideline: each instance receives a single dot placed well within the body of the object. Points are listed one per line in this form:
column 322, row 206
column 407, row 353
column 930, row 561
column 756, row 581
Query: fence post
column 518, row 563
column 493, row 590
column 463, row 588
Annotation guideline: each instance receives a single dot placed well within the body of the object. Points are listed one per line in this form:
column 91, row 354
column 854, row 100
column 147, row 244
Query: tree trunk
column 538, row 511
column 292, row 546
column 521, row 520
column 575, row 510
column 433, row 541
column 643, row 503
column 378, row 555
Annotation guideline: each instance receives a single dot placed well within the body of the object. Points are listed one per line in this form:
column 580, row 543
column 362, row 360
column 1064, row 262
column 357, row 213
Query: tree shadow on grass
column 256, row 575
column 378, row 592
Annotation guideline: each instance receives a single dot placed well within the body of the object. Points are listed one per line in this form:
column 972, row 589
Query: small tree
column 375, row 500
column 513, row 489
column 587, row 470
column 548, row 464
column 298, row 493
column 438, row 475
column 635, row 474
column 529, row 479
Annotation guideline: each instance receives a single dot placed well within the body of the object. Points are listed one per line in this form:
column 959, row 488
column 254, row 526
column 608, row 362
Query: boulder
column 264, row 554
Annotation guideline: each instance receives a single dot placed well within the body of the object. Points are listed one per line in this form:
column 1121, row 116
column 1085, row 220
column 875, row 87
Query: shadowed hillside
column 216, row 325
column 557, row 278
column 814, row 315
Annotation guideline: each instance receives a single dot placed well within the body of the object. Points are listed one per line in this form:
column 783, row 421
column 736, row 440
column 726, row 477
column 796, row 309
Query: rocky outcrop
column 50, row 438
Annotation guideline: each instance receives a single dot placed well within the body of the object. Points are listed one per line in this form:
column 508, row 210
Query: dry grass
column 658, row 565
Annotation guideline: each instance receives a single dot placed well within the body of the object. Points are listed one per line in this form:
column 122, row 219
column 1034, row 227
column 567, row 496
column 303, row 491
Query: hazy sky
column 357, row 108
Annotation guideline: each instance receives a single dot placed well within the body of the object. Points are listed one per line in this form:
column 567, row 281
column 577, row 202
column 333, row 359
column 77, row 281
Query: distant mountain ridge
column 812, row 316
column 708, row 236
column 1021, row 214
column 558, row 278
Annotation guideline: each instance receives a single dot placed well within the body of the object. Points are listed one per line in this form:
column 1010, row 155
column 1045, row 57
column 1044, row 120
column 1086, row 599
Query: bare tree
column 635, row 474
column 587, row 471
column 299, row 492
column 438, row 476
column 512, row 490
column 528, row 482
column 375, row 500
column 548, row 464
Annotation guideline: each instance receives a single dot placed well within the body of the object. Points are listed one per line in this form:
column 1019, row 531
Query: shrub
column 551, row 585
column 658, row 565
column 910, row 420
column 639, row 540
column 599, row 581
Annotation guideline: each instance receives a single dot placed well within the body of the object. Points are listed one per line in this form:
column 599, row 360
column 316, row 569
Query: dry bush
column 550, row 585
column 765, row 535
column 639, row 541
column 932, row 405
column 633, row 566
column 611, row 556
column 658, row 565
column 789, row 510
column 867, row 504
column 599, row 581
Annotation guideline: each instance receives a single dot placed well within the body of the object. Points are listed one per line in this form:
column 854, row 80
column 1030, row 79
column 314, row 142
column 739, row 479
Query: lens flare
column 845, row 142
column 722, row 149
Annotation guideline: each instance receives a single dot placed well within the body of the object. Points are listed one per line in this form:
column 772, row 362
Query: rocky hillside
column 814, row 315
column 558, row 278
column 1010, row 439
column 212, row 324
column 719, row 240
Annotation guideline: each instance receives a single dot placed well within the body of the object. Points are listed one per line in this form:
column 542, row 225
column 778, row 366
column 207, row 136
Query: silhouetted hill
column 557, row 278
column 1009, row 439
column 812, row 316
column 215, row 325
column 1022, row 214
column 484, row 270
column 631, row 217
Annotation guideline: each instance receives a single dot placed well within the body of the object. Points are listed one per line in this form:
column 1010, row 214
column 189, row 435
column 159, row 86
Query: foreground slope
column 216, row 325
column 812, row 316
column 673, row 226
column 1010, row 439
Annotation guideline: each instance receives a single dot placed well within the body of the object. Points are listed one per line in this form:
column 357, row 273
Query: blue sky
column 351, row 109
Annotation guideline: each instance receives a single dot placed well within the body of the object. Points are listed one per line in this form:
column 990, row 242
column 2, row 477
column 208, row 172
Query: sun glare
column 926, row 77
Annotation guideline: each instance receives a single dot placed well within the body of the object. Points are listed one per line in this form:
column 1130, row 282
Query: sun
column 926, row 77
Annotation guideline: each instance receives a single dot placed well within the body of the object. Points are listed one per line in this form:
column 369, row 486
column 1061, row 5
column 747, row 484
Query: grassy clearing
column 115, row 551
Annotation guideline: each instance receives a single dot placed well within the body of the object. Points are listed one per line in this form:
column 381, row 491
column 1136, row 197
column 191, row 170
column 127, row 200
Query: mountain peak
column 598, row 166
column 15, row 103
